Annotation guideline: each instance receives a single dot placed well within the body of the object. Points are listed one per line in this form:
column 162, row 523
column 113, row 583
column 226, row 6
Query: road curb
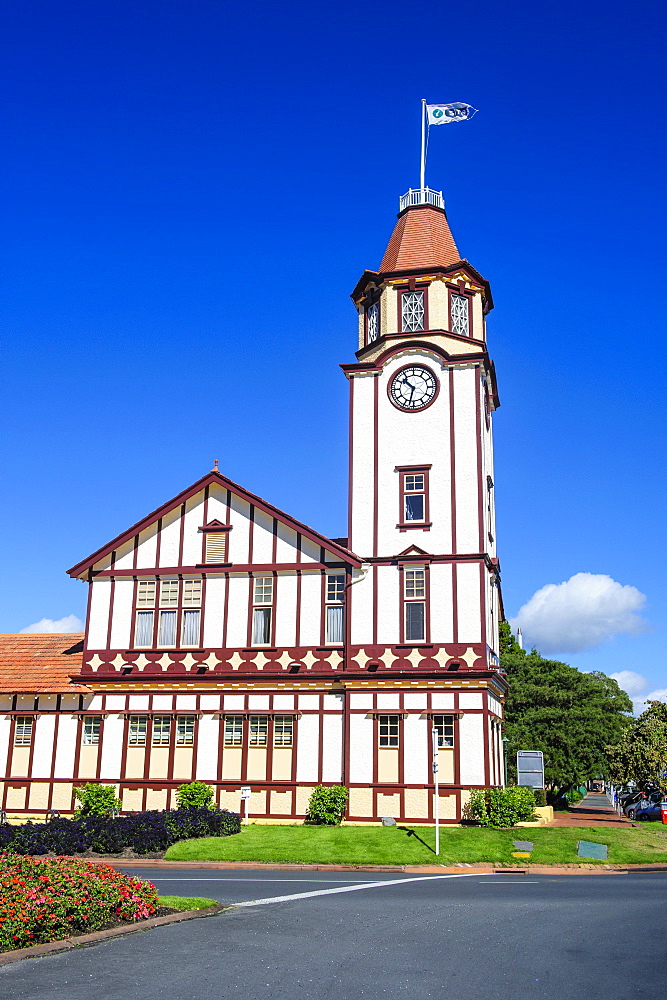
column 82, row 940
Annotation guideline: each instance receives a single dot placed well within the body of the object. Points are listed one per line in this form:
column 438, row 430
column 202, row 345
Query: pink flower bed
column 45, row 899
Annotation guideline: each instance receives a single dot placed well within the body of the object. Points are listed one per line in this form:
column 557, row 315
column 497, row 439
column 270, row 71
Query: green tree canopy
column 641, row 753
column 570, row 716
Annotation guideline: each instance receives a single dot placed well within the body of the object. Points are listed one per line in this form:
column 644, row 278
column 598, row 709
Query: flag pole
column 422, row 173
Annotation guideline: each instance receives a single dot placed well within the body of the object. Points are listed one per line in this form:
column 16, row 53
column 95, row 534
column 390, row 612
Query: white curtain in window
column 144, row 636
column 414, row 621
column 167, row 636
column 414, row 507
column 335, row 623
column 191, row 628
column 261, row 626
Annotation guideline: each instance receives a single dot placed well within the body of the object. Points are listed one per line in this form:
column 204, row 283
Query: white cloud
column 631, row 682
column 581, row 613
column 70, row 623
column 640, row 701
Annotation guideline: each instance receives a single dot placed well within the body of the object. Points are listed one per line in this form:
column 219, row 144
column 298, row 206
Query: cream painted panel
column 88, row 762
column 159, row 762
column 389, row 310
column 237, row 611
column 308, row 748
column 125, row 555
column 415, row 700
column 132, row 799
column 467, row 576
column 256, row 764
column 416, row 757
column 20, row 762
column 170, row 538
column 332, row 748
column 361, row 331
column 471, row 736
column 6, row 701
column 231, row 763
column 62, row 797
column 43, row 736
column 214, row 611
column 156, row 798
column 388, row 765
column 389, row 609
column 388, row 700
column 477, row 330
column 183, row 763
column 471, row 699
column 310, row 551
column 442, row 701
column 281, row 803
column 363, row 389
column 361, row 802
column 281, row 764
column 361, row 605
column 192, row 537
column 285, row 544
column 361, row 749
column 438, row 306
column 135, row 760
column 99, row 614
column 283, row 701
column 262, row 539
column 442, row 605
column 16, row 798
column 257, row 803
column 416, row 803
column 446, row 766
column 303, row 794
column 147, row 550
column 311, row 609
column 112, row 748
column 207, row 748
column 66, row 747
column 38, row 795
column 122, row 613
column 5, row 725
column 465, row 459
column 285, row 610
column 447, row 806
column 389, row 805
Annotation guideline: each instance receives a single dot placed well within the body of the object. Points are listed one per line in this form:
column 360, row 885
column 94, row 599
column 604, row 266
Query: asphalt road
column 505, row 937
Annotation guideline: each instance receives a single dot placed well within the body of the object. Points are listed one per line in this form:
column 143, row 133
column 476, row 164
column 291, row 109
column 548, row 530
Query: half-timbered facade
column 226, row 641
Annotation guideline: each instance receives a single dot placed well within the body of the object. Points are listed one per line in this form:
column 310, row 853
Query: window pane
column 414, row 583
column 144, row 630
column 335, row 614
column 259, row 727
column 161, row 730
column 190, row 628
column 185, row 730
column 413, row 310
column 282, row 730
column 191, row 593
column 388, row 730
column 91, row 730
column 233, row 730
column 137, row 731
column 146, row 594
column 261, row 627
column 460, row 315
column 335, row 588
column 263, row 589
column 414, row 622
column 372, row 316
column 414, row 507
column 23, row 732
column 167, row 634
column 414, row 483
column 169, row 594
column 445, row 726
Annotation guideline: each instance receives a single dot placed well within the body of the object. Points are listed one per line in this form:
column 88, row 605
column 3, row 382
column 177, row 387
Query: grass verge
column 187, row 902
column 359, row 845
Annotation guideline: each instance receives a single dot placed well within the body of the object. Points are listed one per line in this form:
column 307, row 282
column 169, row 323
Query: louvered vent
column 216, row 547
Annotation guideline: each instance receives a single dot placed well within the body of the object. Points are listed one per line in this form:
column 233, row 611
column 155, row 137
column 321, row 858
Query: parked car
column 648, row 807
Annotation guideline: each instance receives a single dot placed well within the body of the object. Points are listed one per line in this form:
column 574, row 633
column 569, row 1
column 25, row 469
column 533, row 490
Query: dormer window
column 412, row 311
column 460, row 310
column 372, row 323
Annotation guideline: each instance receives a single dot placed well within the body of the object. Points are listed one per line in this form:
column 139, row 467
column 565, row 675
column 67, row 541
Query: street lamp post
column 505, row 742
column 436, row 783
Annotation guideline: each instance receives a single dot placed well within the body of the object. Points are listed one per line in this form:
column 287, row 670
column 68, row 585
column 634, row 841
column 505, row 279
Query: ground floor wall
column 280, row 740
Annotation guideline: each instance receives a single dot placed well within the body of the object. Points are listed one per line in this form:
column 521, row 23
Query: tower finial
column 215, row 466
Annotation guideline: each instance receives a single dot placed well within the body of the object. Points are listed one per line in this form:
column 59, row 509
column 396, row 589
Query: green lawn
column 187, row 902
column 377, row 845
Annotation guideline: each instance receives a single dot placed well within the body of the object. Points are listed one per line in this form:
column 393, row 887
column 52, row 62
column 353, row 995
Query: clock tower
column 421, row 504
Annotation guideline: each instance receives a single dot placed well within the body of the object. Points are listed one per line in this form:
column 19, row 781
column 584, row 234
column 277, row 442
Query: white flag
column 442, row 114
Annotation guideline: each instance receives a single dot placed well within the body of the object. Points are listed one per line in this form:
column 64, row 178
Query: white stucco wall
column 214, row 611
column 308, row 748
column 332, row 748
column 43, row 736
column 468, row 590
column 361, row 748
column 442, row 609
column 121, row 622
column 112, row 748
column 207, row 748
column 65, row 750
column 170, row 538
column 311, row 608
column 99, row 613
column 286, row 590
column 471, row 737
column 416, row 758
column 465, row 460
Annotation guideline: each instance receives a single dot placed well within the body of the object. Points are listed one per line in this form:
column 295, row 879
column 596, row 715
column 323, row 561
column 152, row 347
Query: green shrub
column 96, row 800
column 540, row 796
column 573, row 796
column 327, row 804
column 501, row 807
column 195, row 795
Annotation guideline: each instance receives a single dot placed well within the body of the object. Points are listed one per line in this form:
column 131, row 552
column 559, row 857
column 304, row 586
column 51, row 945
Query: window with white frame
column 23, row 731
column 412, row 311
column 91, row 730
column 143, row 628
column 161, row 730
column 185, row 730
column 459, row 309
column 258, row 730
column 444, row 724
column 233, row 730
column 372, row 322
column 388, row 731
column 283, row 730
column 168, row 613
column 215, row 550
column 136, row 731
column 335, row 610
column 415, row 604
column 190, row 626
column 261, row 612
column 414, row 496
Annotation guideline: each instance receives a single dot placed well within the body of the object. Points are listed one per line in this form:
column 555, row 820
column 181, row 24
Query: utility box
column 530, row 768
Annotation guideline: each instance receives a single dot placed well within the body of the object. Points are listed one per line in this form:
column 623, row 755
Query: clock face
column 413, row 388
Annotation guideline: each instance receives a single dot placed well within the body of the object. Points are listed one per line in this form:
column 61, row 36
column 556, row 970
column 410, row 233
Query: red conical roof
column 421, row 238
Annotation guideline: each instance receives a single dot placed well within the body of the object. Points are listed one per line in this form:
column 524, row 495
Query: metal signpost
column 530, row 768
column 436, row 782
column 245, row 798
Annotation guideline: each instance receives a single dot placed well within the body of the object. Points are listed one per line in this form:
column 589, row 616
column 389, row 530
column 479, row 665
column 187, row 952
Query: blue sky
column 191, row 190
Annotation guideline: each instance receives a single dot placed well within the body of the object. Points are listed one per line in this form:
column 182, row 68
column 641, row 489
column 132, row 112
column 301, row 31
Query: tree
column 570, row 716
column 641, row 753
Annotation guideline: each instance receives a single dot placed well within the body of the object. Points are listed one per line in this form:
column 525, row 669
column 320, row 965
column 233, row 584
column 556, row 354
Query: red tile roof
column 421, row 238
column 40, row 664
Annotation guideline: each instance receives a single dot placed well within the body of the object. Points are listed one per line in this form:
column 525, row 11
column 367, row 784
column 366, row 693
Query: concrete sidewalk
column 593, row 810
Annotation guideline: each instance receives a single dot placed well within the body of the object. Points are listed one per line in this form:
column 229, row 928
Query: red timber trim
column 482, row 605
column 220, row 480
column 100, row 743
column 133, row 623
column 251, row 603
column 135, row 550
column 376, row 466
column 461, row 289
column 110, row 618
column 181, row 533
column 455, row 604
column 158, row 543
column 274, row 607
column 297, row 623
column 480, row 477
column 52, row 769
column 195, row 738
column 411, row 470
column 323, row 598
column 412, row 285
column 172, row 741
column 77, row 745
column 375, row 603
column 432, row 272
column 418, row 564
column 124, row 748
column 251, row 531
column 211, row 568
column 225, row 612
column 452, row 459
column 486, row 717
column 274, row 544
column 409, row 342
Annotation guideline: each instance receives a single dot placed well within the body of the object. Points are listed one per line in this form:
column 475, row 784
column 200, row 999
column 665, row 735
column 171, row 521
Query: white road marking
column 319, row 881
column 352, row 888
